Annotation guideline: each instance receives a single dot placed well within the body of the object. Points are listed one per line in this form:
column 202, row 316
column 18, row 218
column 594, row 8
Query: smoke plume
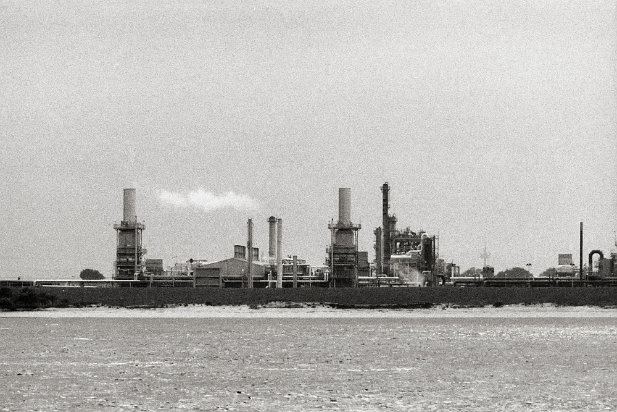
column 208, row 201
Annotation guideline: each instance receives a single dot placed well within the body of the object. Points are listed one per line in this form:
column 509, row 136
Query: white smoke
column 208, row 201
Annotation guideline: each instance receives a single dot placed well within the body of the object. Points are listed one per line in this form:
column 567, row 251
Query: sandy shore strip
column 275, row 310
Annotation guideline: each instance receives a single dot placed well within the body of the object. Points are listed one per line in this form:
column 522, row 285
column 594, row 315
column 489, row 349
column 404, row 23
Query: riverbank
column 278, row 310
column 363, row 298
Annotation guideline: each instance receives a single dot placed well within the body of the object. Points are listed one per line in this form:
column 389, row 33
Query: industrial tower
column 343, row 251
column 129, row 251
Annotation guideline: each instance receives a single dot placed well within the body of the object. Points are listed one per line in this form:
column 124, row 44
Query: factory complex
column 403, row 258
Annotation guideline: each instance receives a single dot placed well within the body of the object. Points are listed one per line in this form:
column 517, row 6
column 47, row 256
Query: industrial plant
column 403, row 258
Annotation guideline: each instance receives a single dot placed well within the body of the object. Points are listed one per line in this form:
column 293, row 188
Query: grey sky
column 492, row 121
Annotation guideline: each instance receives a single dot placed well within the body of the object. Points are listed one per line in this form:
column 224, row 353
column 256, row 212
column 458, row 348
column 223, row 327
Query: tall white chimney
column 344, row 206
column 129, row 206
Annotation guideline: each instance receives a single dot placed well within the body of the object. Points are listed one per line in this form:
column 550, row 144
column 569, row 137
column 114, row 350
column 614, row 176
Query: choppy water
column 385, row 360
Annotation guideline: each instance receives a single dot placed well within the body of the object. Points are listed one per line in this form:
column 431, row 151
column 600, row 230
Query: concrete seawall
column 404, row 297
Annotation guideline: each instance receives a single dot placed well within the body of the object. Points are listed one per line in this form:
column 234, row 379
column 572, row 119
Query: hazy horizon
column 494, row 124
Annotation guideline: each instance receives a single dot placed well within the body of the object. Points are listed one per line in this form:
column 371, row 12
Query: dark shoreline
column 352, row 298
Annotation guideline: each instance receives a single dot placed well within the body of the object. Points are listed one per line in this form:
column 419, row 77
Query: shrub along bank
column 28, row 299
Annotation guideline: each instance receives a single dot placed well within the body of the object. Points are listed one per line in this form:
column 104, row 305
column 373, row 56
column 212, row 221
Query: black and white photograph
column 266, row 205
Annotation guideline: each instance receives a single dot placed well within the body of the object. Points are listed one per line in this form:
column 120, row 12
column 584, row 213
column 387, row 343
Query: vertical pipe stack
column 344, row 206
column 378, row 250
column 279, row 253
column 272, row 240
column 385, row 244
column 581, row 254
column 129, row 214
column 295, row 271
column 249, row 246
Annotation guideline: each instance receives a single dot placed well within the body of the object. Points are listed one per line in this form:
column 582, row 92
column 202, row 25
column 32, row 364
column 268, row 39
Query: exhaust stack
column 129, row 215
column 344, row 206
column 279, row 253
column 385, row 229
column 250, row 255
column 272, row 240
column 581, row 254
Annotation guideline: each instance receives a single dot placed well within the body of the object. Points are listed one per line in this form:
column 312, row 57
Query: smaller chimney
column 249, row 247
column 581, row 254
column 279, row 253
column 272, row 240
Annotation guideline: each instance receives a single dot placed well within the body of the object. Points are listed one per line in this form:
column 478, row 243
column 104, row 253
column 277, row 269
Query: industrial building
column 402, row 258
column 129, row 262
column 346, row 263
column 232, row 272
column 405, row 256
column 244, row 269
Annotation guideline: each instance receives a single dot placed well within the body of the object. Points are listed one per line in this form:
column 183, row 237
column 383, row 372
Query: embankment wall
column 404, row 297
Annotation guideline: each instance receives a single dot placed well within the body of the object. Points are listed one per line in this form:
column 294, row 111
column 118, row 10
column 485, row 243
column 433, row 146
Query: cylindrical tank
column 272, row 239
column 129, row 206
column 344, row 206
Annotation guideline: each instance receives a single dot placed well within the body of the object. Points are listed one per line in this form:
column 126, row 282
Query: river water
column 202, row 358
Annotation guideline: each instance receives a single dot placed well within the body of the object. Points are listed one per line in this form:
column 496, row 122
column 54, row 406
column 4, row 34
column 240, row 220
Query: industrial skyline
column 495, row 125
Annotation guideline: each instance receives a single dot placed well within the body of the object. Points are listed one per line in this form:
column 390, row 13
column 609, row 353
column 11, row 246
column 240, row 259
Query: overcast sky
column 493, row 121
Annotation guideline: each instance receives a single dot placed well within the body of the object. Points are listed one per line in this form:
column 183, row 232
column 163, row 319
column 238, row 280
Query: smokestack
column 295, row 271
column 249, row 246
column 279, row 253
column 344, row 206
column 581, row 254
column 385, row 227
column 130, row 215
column 378, row 250
column 272, row 240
